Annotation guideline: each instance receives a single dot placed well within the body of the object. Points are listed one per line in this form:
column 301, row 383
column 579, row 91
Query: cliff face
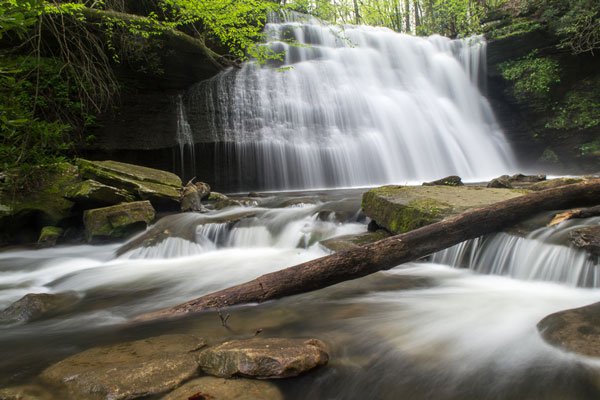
column 557, row 131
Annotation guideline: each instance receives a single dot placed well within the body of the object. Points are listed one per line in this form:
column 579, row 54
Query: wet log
column 388, row 253
column 576, row 213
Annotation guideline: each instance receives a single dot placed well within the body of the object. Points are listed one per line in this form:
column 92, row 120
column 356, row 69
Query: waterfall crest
column 353, row 106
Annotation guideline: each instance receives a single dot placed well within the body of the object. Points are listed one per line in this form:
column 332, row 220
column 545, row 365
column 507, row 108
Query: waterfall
column 542, row 255
column 185, row 140
column 352, row 106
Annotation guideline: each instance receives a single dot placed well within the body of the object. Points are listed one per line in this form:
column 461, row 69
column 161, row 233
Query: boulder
column 403, row 208
column 452, row 180
column 128, row 370
column 347, row 242
column 520, row 178
column 216, row 196
column 191, row 199
column 49, row 235
column 576, row 330
column 116, row 222
column 93, row 194
column 211, row 388
column 161, row 188
column 35, row 306
column 502, row 182
column 587, row 238
column 203, row 190
column 264, row 358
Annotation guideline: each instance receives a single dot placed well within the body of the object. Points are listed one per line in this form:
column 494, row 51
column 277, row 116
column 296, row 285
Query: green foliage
column 516, row 27
column 17, row 16
column 532, row 76
column 39, row 111
column 549, row 156
column 580, row 108
column 452, row 18
column 590, row 149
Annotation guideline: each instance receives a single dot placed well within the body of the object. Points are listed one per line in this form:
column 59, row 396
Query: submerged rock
column 49, row 236
column 347, row 242
column 264, row 358
column 128, row 370
column 116, row 222
column 92, row 194
column 211, row 388
column 35, row 306
column 161, row 188
column 576, row 330
column 452, row 180
column 403, row 208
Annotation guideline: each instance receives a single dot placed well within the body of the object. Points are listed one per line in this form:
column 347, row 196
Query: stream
column 419, row 331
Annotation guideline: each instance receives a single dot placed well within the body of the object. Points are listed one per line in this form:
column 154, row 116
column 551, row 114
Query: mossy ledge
column 401, row 209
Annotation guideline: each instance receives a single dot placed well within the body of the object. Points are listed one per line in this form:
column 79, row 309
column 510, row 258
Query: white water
column 352, row 107
column 185, row 140
column 543, row 255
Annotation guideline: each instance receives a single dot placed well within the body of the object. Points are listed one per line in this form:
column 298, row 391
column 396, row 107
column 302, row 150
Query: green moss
column 579, row 109
column 117, row 221
column 531, row 76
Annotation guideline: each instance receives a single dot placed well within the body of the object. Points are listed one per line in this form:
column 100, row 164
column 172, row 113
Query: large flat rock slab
column 209, row 387
column 401, row 209
column 128, row 370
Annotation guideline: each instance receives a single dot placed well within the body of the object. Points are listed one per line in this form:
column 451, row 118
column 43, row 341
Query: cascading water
column 351, row 107
column 185, row 140
column 542, row 255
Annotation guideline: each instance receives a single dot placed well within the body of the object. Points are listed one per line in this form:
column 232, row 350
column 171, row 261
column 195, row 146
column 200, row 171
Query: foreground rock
column 401, row 209
column 576, row 330
column 26, row 392
column 264, row 358
column 35, row 306
column 118, row 221
column 161, row 188
column 128, row 370
column 208, row 387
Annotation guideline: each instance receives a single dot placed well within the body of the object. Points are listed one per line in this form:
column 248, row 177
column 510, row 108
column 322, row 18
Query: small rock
column 452, row 180
column 203, row 190
column 211, row 388
column 502, row 182
column 35, row 306
column 587, row 238
column 49, row 235
column 576, row 330
column 347, row 242
column 128, row 370
column 191, row 198
column 527, row 178
column 216, row 196
column 116, row 222
column 264, row 358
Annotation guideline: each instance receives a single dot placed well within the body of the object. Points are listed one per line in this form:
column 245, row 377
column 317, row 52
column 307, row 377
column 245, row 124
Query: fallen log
column 390, row 252
column 576, row 213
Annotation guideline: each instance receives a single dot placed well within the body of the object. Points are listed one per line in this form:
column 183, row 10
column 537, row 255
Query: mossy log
column 388, row 253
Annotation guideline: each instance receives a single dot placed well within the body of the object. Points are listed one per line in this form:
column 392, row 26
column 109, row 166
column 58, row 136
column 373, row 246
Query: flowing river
column 426, row 330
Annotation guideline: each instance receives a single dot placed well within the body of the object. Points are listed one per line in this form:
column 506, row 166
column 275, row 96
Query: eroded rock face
column 128, row 370
column 400, row 209
column 211, row 388
column 264, row 358
column 118, row 221
column 576, row 330
column 34, row 306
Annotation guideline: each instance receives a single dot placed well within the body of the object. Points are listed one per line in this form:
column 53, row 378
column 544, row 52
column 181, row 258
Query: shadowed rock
column 208, row 387
column 35, row 306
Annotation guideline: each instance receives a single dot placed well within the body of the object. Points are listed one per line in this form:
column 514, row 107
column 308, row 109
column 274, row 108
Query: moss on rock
column 401, row 209
column 118, row 221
